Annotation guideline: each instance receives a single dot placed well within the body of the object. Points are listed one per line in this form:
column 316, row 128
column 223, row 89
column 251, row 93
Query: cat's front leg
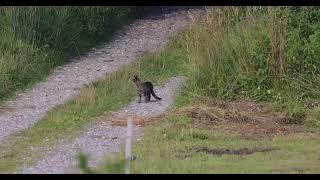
column 139, row 99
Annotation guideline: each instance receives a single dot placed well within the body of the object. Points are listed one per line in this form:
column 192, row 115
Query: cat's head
column 135, row 78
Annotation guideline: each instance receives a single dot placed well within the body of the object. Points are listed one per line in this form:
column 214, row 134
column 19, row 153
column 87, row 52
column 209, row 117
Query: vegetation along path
column 105, row 136
column 143, row 35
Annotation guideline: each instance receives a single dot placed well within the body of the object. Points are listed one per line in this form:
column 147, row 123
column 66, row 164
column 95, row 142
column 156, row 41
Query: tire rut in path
column 66, row 81
column 102, row 138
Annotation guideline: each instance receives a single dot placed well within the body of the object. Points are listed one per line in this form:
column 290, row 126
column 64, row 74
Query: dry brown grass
column 87, row 96
column 122, row 121
column 242, row 117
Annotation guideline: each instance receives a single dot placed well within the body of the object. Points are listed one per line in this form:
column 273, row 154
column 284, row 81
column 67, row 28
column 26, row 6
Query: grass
column 171, row 150
column 314, row 118
column 173, row 143
column 255, row 53
column 35, row 40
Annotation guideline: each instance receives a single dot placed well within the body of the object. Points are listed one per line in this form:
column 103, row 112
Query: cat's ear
column 135, row 77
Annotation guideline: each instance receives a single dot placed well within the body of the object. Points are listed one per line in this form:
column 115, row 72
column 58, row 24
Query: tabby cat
column 144, row 89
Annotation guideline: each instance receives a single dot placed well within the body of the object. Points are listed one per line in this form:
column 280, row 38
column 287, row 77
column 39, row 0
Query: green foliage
column 314, row 118
column 303, row 54
column 267, row 54
column 294, row 110
column 231, row 60
column 179, row 120
column 83, row 163
column 35, row 40
column 114, row 165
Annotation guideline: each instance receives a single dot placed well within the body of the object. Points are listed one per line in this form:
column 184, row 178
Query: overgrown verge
column 267, row 54
column 35, row 40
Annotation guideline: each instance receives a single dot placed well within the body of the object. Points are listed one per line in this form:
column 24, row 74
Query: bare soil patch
column 243, row 117
column 242, row 151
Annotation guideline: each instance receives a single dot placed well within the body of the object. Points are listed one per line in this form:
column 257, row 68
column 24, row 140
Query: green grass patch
column 174, row 150
column 35, row 40
column 314, row 118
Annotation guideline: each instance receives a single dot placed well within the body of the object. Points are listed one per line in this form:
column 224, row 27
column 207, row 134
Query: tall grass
column 231, row 53
column 257, row 53
column 34, row 40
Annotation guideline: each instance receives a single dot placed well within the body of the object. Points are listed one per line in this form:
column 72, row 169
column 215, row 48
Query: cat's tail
column 154, row 95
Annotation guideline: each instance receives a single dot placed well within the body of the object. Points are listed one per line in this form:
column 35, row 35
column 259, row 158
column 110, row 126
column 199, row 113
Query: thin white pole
column 128, row 145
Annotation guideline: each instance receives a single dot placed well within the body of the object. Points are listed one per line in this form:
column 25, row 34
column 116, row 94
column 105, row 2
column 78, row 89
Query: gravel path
column 102, row 138
column 143, row 35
